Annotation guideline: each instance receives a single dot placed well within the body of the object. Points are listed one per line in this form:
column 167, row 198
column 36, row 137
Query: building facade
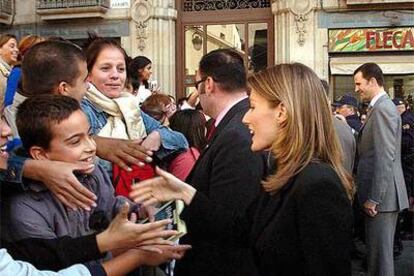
column 331, row 36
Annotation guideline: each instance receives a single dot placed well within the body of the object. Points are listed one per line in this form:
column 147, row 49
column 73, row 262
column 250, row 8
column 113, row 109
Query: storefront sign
column 371, row 40
column 120, row 4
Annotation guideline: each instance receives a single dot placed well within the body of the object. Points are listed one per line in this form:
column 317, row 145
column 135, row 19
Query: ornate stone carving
column 300, row 22
column 301, row 9
column 140, row 14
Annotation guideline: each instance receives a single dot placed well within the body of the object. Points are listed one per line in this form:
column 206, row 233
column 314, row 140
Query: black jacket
column 304, row 229
column 229, row 174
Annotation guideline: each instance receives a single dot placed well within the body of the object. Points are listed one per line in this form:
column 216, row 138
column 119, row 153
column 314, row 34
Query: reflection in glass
column 193, row 50
column 226, row 36
column 257, row 47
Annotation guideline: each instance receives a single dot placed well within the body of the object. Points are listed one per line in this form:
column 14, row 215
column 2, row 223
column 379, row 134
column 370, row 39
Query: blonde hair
column 308, row 132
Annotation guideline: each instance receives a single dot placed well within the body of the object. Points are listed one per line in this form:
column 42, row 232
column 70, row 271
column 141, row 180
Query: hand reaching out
column 160, row 189
column 123, row 233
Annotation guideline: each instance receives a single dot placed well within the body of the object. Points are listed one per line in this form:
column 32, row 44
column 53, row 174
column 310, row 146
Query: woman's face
column 9, row 51
column 108, row 74
column 145, row 73
column 262, row 120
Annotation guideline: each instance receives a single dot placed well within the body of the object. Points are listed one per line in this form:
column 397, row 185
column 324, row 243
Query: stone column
column 153, row 35
column 297, row 36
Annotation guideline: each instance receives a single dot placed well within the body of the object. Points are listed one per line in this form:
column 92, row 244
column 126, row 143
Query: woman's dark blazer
column 304, row 229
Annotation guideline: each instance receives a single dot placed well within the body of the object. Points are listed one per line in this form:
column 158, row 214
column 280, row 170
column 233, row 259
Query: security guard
column 407, row 159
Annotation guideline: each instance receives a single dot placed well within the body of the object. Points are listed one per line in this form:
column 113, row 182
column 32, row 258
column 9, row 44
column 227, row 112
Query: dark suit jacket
column 229, row 174
column 304, row 229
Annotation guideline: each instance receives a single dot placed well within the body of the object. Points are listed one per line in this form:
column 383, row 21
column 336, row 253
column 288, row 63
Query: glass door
column 250, row 40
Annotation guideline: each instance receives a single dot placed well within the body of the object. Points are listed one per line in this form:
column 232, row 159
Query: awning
column 390, row 65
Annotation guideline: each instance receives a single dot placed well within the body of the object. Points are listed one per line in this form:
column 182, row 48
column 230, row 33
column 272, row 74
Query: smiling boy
column 55, row 128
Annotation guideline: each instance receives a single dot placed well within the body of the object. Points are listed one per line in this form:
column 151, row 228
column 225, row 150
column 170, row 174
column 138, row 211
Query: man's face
column 344, row 110
column 202, row 93
column 364, row 88
column 77, row 89
column 72, row 141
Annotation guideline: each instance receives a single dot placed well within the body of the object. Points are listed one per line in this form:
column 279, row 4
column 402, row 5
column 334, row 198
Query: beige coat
column 4, row 73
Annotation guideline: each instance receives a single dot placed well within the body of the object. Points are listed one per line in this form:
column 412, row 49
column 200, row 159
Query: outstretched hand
column 123, row 233
column 160, row 189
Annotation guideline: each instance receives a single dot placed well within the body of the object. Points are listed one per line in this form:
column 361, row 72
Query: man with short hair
column 380, row 180
column 347, row 106
column 228, row 172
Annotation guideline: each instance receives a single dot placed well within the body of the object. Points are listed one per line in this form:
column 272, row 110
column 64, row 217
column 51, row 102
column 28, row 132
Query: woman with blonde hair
column 301, row 224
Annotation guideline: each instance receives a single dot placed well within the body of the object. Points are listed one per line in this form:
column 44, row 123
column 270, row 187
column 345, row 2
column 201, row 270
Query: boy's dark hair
column 47, row 64
column 371, row 70
column 191, row 123
column 226, row 67
column 37, row 115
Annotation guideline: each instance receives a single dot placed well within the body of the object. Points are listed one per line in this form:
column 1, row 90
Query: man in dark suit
column 228, row 172
column 381, row 187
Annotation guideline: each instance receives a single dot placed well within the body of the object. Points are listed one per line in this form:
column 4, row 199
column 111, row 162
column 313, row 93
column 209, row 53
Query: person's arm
column 8, row 266
column 204, row 218
column 170, row 140
column 57, row 176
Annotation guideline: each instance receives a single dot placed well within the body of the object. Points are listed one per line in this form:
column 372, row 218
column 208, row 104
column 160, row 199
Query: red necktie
column 211, row 130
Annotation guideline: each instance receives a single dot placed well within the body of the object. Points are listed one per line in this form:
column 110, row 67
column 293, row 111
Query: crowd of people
column 275, row 179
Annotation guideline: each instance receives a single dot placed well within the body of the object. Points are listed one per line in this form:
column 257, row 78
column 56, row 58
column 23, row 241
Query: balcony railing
column 57, row 4
column 6, row 7
column 70, row 9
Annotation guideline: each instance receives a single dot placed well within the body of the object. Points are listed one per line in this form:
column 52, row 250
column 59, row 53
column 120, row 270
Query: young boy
column 54, row 127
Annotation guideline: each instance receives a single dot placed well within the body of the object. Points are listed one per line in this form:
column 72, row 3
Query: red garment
column 182, row 165
column 123, row 180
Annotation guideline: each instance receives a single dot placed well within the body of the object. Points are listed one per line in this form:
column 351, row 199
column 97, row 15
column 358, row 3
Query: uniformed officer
column 407, row 159
column 347, row 106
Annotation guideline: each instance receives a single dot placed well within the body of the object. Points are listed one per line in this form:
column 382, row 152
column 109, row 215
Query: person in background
column 189, row 102
column 301, row 222
column 405, row 228
column 9, row 54
column 14, row 81
column 191, row 123
column 347, row 106
column 114, row 113
column 139, row 71
column 381, row 188
column 160, row 107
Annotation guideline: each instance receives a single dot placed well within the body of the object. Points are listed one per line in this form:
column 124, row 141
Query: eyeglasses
column 197, row 83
